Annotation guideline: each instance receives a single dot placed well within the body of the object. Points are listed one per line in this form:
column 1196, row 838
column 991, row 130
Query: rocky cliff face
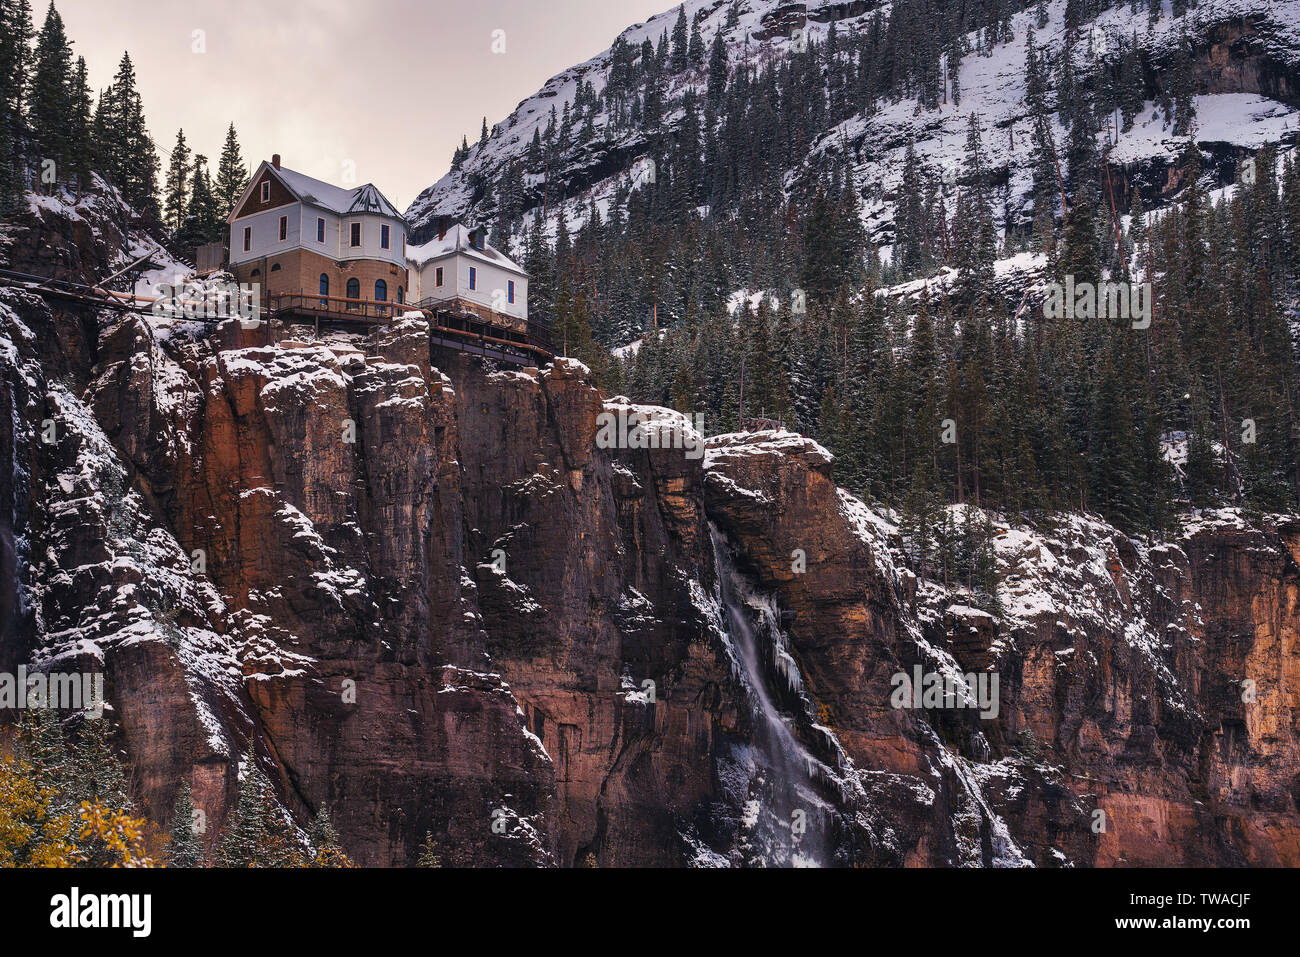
column 430, row 594
column 428, row 597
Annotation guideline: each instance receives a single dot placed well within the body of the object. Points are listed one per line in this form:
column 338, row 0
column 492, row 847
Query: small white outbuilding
column 459, row 268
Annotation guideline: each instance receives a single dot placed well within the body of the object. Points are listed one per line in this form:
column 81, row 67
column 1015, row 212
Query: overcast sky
column 390, row 85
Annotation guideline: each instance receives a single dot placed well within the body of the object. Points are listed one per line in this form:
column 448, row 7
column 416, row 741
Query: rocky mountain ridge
column 1244, row 60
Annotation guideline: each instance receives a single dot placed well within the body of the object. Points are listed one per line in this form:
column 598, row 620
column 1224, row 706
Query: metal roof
column 456, row 240
column 336, row 199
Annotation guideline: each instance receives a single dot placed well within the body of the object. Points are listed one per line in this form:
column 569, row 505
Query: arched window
column 354, row 288
column 381, row 291
column 400, row 298
column 324, row 290
column 257, row 274
column 275, row 268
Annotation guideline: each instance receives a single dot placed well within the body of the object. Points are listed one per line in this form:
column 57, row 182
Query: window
column 266, row 191
column 381, row 291
column 354, row 288
column 320, row 230
column 275, row 268
column 248, row 238
column 383, row 236
column 510, row 291
column 437, row 276
column 356, row 234
column 324, row 289
column 400, row 298
column 284, row 228
column 473, row 278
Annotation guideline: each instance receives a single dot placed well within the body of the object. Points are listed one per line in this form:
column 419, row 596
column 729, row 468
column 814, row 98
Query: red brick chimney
column 275, row 160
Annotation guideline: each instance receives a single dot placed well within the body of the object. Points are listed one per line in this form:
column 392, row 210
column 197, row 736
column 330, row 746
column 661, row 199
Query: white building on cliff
column 459, row 268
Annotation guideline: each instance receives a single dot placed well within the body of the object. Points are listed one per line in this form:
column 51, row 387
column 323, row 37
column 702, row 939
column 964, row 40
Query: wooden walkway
column 460, row 330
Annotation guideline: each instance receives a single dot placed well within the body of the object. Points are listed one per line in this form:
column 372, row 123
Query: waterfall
column 785, row 818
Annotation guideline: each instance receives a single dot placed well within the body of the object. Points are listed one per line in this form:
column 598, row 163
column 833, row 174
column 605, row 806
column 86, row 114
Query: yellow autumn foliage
column 34, row 834
column 31, row 833
column 117, row 838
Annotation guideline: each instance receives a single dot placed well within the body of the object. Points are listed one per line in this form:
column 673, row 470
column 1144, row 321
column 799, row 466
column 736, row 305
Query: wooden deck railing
column 458, row 304
column 328, row 307
column 449, row 316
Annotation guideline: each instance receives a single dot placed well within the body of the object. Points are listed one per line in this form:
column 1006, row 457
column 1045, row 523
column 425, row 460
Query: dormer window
column 266, row 191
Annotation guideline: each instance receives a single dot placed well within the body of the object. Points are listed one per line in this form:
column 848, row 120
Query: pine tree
column 232, row 175
column 246, row 834
column 717, row 86
column 981, row 243
column 43, row 745
column 1182, row 88
column 1132, row 85
column 124, row 150
column 1291, row 209
column 15, row 71
column 823, row 269
column 540, row 265
column 908, row 224
column 1080, row 254
column 681, row 42
column 462, row 153
column 80, row 142
column 96, row 770
column 202, row 223
column 184, row 848
column 1137, row 236
column 326, row 849
column 695, row 53
column 50, row 101
column 257, row 834
column 177, row 188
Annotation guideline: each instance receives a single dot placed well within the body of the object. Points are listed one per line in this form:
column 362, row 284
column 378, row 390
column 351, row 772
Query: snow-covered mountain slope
column 1246, row 54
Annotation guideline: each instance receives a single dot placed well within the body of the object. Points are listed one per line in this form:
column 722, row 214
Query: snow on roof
column 456, row 240
column 336, row 199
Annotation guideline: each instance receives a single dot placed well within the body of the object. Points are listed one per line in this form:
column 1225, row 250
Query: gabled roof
column 456, row 240
column 333, row 199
